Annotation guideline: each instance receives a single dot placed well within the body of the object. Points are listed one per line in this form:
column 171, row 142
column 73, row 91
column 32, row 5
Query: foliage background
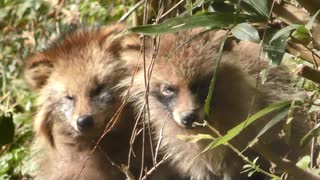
column 27, row 26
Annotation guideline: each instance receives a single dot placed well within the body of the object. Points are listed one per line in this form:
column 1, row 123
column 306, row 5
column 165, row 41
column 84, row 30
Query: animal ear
column 42, row 125
column 37, row 69
column 121, row 43
column 110, row 38
column 134, row 51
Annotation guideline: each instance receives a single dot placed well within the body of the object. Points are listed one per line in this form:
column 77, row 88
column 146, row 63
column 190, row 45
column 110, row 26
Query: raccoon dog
column 178, row 88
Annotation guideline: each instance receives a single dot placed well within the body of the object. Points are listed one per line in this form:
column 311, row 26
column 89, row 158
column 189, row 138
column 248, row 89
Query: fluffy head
column 75, row 77
column 181, row 76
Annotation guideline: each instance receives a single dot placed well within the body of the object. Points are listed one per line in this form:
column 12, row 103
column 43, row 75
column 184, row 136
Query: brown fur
column 75, row 77
column 186, row 75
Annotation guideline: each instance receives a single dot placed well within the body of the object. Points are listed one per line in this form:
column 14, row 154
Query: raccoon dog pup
column 75, row 78
column 178, row 88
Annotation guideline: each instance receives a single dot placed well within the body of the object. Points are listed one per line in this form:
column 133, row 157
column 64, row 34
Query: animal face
column 81, row 99
column 179, row 81
column 181, row 98
column 75, row 78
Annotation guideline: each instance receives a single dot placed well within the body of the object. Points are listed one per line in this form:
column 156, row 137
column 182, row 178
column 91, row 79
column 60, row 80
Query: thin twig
column 160, row 137
column 171, row 9
column 163, row 160
column 131, row 10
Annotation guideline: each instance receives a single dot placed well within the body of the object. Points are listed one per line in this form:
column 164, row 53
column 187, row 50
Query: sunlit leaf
column 246, row 32
column 212, row 20
column 284, row 31
column 304, row 162
column 251, row 173
column 275, row 120
column 302, row 34
column 237, row 129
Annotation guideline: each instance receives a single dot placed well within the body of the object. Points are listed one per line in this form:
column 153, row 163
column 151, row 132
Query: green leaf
column 276, row 49
column 311, row 21
column 237, row 129
column 261, row 6
column 6, row 129
column 207, row 104
column 246, row 32
column 304, row 162
column 194, row 138
column 284, row 31
column 251, row 173
column 302, row 34
column 212, row 20
column 276, row 119
column 315, row 131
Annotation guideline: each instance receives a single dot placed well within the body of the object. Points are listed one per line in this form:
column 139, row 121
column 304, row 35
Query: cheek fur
column 66, row 108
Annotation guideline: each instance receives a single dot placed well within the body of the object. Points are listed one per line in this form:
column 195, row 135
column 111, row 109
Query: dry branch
column 309, row 73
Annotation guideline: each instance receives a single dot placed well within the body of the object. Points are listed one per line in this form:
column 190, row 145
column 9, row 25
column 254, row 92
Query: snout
column 185, row 119
column 85, row 122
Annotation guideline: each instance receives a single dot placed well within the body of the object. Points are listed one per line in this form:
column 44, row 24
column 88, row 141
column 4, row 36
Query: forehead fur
column 188, row 60
column 88, row 53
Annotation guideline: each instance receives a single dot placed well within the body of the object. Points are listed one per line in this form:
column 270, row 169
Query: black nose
column 187, row 118
column 84, row 122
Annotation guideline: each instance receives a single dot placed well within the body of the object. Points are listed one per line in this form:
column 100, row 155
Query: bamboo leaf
column 302, row 34
column 284, row 31
column 276, row 49
column 246, row 32
column 237, row 129
column 207, row 104
column 212, row 20
column 275, row 120
column 304, row 162
column 315, row 131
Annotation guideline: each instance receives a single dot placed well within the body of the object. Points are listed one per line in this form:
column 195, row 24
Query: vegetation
column 28, row 25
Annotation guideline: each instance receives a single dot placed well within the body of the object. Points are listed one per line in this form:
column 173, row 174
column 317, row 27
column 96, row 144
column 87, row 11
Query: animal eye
column 105, row 96
column 69, row 97
column 167, row 90
column 101, row 94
